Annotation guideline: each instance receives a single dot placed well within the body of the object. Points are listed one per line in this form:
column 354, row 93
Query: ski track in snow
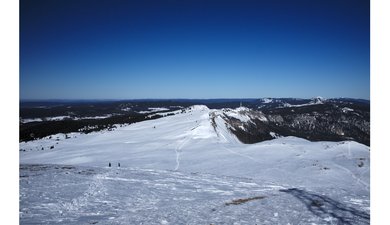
column 177, row 160
column 178, row 150
column 357, row 179
column 240, row 154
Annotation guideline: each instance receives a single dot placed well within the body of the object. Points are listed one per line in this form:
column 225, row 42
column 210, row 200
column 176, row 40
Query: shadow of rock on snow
column 326, row 207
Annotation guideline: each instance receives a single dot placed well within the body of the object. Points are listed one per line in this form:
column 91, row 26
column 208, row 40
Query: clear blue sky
column 107, row 49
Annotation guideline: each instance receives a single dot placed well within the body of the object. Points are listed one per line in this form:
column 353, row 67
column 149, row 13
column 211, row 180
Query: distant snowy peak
column 318, row 100
column 313, row 101
column 199, row 108
column 266, row 100
column 289, row 102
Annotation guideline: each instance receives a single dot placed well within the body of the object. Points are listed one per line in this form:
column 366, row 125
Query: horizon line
column 162, row 99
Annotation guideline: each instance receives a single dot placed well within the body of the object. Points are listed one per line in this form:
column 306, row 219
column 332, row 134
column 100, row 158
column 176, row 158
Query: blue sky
column 108, row 49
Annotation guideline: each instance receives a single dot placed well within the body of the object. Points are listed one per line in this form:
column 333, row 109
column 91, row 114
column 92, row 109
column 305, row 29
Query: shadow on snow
column 323, row 207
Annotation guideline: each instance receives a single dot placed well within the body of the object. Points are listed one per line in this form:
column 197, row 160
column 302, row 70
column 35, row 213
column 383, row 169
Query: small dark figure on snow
column 109, row 164
column 119, row 165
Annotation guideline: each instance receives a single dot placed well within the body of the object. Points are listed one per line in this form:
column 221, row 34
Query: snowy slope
column 198, row 141
column 58, row 194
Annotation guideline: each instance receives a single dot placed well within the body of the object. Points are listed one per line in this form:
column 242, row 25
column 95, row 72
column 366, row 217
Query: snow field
column 182, row 169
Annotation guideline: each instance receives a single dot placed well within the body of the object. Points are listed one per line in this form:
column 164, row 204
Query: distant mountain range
column 251, row 120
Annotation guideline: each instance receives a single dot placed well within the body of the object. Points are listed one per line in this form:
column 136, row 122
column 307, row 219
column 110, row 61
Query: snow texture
column 60, row 194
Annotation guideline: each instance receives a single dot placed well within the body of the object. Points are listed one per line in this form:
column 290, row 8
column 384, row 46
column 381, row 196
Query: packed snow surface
column 190, row 169
column 60, row 194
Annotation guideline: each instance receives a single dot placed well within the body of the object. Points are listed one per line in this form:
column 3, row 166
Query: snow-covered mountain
column 193, row 151
column 316, row 122
column 315, row 119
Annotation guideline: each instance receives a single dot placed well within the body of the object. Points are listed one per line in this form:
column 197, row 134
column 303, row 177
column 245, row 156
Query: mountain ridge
column 334, row 119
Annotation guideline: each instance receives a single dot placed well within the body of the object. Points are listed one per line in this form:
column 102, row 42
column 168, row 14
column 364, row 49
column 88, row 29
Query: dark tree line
column 37, row 130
